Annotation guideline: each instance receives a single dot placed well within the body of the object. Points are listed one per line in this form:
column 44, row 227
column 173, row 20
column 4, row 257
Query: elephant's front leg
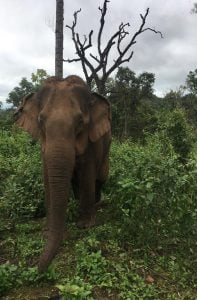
column 47, row 195
column 87, row 212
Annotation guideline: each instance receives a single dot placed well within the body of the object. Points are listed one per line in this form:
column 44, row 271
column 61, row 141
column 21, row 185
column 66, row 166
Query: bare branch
column 95, row 58
column 122, row 35
column 89, row 40
column 133, row 41
column 194, row 9
column 102, row 21
column 81, row 47
column 85, row 40
column 153, row 30
column 119, row 61
column 111, row 41
column 125, row 52
column 127, row 59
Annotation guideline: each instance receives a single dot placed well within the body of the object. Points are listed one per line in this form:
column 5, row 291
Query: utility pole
column 59, row 38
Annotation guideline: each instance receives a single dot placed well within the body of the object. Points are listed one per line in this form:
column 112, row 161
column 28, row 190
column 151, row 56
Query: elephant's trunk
column 60, row 165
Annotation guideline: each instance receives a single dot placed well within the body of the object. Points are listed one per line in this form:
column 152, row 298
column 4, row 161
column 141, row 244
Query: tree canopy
column 26, row 86
column 191, row 82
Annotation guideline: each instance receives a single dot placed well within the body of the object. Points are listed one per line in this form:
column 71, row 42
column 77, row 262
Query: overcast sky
column 28, row 39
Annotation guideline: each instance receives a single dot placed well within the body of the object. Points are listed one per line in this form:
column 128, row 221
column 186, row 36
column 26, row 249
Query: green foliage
column 75, row 289
column 189, row 104
column 8, row 275
column 16, row 95
column 25, row 87
column 15, row 276
column 23, row 195
column 6, row 119
column 23, row 244
column 137, row 86
column 175, row 126
column 91, row 263
column 176, row 100
column 135, row 107
column 21, row 188
column 131, row 109
column 172, row 100
column 98, row 268
column 146, row 81
column 191, row 82
column 153, row 194
column 146, row 247
column 97, row 271
column 21, row 183
column 38, row 77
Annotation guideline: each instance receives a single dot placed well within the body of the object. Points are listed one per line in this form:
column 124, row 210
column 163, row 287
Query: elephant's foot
column 86, row 222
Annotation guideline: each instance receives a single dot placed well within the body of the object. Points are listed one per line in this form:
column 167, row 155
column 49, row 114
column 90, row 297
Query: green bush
column 152, row 198
column 6, row 119
column 152, row 191
column 21, row 183
column 23, row 196
column 21, row 188
column 153, row 194
column 174, row 126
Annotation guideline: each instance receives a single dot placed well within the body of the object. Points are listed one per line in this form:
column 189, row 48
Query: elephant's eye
column 79, row 125
column 80, row 121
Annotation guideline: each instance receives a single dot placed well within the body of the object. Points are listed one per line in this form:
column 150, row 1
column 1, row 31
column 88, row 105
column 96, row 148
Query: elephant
column 74, row 128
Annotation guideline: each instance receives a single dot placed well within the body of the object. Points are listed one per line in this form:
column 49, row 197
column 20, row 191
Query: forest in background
column 135, row 107
column 144, row 244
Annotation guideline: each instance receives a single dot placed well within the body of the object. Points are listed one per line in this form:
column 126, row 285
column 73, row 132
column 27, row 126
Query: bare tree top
column 93, row 64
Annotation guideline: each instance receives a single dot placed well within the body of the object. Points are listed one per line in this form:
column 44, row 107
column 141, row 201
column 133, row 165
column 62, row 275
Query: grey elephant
column 74, row 127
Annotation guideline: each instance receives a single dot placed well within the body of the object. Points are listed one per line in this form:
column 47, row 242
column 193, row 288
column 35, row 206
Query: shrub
column 21, row 188
column 153, row 194
column 21, row 183
column 6, row 119
column 12, row 276
column 175, row 127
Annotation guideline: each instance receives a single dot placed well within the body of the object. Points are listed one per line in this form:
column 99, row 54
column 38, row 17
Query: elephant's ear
column 100, row 117
column 26, row 115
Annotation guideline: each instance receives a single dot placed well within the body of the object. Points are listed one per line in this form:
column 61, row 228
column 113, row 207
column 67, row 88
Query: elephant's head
column 66, row 117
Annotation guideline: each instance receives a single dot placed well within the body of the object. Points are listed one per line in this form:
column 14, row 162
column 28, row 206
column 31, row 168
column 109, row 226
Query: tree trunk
column 100, row 83
column 59, row 37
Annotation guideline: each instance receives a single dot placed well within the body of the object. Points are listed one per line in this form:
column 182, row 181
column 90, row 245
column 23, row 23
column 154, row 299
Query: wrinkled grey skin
column 75, row 132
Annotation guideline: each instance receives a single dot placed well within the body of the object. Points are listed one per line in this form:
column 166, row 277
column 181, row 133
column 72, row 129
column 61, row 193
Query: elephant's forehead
column 59, row 102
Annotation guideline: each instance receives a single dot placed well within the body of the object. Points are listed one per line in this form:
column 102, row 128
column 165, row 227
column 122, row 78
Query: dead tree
column 99, row 71
column 59, row 38
column 194, row 9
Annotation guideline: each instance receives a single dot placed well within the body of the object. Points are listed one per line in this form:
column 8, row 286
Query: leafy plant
column 21, row 190
column 75, row 289
column 144, row 245
column 15, row 276
column 176, row 128
column 152, row 192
